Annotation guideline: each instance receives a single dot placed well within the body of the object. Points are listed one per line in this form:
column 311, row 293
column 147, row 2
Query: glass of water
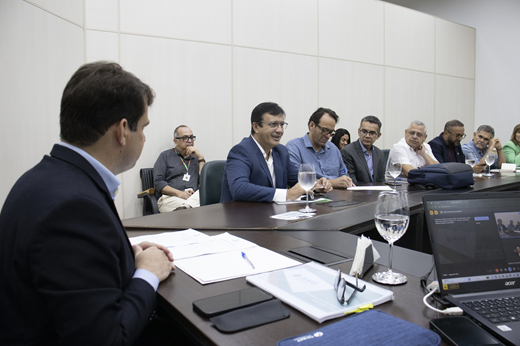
column 471, row 158
column 394, row 168
column 307, row 179
column 392, row 217
column 490, row 159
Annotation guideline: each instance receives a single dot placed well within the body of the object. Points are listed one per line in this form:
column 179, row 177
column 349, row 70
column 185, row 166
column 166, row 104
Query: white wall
column 212, row 61
column 497, row 86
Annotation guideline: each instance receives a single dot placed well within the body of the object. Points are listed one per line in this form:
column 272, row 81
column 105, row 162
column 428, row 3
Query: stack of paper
column 309, row 288
column 217, row 258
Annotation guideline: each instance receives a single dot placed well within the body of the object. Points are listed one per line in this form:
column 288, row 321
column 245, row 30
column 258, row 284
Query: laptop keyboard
column 497, row 310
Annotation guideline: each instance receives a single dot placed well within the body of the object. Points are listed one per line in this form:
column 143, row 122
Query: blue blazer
column 246, row 175
column 440, row 150
column 66, row 261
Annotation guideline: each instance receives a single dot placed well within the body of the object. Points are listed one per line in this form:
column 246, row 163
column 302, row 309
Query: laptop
column 476, row 246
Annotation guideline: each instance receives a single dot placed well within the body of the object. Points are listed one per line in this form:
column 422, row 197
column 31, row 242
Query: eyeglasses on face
column 365, row 132
column 326, row 131
column 274, row 124
column 415, row 133
column 340, row 285
column 187, row 138
column 458, row 136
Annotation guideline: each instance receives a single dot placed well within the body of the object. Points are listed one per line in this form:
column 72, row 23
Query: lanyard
column 180, row 157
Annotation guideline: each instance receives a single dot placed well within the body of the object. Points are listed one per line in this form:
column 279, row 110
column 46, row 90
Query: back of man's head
column 97, row 96
column 319, row 113
column 265, row 107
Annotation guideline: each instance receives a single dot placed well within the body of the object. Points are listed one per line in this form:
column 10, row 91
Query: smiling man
column 364, row 161
column 177, row 171
column 258, row 169
column 483, row 143
column 314, row 147
column 411, row 150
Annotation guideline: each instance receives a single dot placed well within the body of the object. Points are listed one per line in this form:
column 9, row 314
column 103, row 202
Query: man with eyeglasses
column 483, row 143
column 411, row 150
column 314, row 147
column 446, row 147
column 364, row 161
column 176, row 173
column 258, row 169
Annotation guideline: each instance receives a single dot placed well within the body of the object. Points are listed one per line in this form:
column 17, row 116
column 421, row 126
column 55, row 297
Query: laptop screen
column 475, row 240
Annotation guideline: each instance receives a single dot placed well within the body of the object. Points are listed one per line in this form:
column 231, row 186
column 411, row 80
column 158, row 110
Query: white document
column 292, row 215
column 314, row 294
column 370, row 188
column 300, row 200
column 171, row 238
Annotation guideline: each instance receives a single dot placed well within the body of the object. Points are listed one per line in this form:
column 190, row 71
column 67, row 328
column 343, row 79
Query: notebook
column 476, row 247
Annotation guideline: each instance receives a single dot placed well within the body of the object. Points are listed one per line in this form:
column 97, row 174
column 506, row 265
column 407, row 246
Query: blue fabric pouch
column 372, row 327
column 448, row 175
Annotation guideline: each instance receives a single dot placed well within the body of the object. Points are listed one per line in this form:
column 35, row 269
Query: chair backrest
column 211, row 182
column 147, row 182
column 386, row 152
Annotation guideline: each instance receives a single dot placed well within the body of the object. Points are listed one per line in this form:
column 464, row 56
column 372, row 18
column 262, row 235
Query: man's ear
column 122, row 130
column 255, row 127
column 379, row 135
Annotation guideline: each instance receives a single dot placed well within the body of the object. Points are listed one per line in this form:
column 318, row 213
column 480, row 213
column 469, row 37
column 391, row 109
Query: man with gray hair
column 483, row 143
column 411, row 150
column 364, row 161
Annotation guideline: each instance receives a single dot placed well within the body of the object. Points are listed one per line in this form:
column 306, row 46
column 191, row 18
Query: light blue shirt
column 471, row 147
column 112, row 184
column 327, row 162
column 368, row 158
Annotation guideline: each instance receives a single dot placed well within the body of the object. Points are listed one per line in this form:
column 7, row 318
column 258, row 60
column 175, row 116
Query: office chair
column 148, row 193
column 211, row 182
column 386, row 152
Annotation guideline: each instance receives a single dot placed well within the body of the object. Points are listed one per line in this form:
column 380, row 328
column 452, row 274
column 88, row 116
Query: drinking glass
column 307, row 179
column 471, row 159
column 394, row 168
column 392, row 217
column 490, row 159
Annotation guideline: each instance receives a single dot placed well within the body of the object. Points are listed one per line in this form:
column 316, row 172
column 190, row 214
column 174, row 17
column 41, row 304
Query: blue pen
column 247, row 259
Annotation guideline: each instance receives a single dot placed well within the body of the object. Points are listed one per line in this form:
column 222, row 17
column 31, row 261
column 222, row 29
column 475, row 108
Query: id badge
column 186, row 177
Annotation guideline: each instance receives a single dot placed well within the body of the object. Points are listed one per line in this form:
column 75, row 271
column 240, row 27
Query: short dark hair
column 452, row 123
column 266, row 107
column 373, row 120
column 487, row 128
column 96, row 97
column 320, row 112
column 337, row 137
column 513, row 136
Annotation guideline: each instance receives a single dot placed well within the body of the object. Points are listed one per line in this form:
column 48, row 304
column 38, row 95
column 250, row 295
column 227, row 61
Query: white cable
column 448, row 311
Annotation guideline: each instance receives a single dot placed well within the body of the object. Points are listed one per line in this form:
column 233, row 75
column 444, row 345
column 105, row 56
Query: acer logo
column 510, row 283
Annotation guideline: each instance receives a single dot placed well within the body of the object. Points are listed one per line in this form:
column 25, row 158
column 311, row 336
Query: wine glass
column 393, row 168
column 471, row 158
column 490, row 159
column 391, row 217
column 307, row 179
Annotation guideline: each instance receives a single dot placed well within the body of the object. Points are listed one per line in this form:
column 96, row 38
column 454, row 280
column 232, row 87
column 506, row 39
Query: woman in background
column 341, row 138
column 512, row 148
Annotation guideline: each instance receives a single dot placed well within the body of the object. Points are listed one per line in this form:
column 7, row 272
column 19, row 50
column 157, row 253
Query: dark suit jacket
column 357, row 166
column 246, row 175
column 440, row 150
column 66, row 262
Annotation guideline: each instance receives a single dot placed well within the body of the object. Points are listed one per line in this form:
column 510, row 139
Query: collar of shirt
column 270, row 162
column 263, row 151
column 365, row 151
column 308, row 144
column 108, row 177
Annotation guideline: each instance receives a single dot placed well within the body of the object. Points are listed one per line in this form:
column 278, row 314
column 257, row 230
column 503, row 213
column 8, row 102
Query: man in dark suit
column 69, row 273
column 446, row 147
column 258, row 169
column 365, row 162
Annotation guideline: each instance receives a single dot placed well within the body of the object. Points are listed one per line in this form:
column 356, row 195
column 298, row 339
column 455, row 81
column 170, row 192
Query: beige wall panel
column 102, row 14
column 454, row 99
column 102, row 45
column 192, row 82
column 284, row 25
column 71, row 10
column 352, row 30
column 353, row 91
column 454, row 49
column 409, row 96
column 409, row 39
column 263, row 76
column 39, row 54
column 199, row 20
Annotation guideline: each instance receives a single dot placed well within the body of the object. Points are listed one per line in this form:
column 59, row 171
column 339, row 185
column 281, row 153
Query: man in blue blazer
column 446, row 147
column 258, row 169
column 69, row 273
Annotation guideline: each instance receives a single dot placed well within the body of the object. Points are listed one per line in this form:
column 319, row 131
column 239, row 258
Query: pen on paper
column 244, row 256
